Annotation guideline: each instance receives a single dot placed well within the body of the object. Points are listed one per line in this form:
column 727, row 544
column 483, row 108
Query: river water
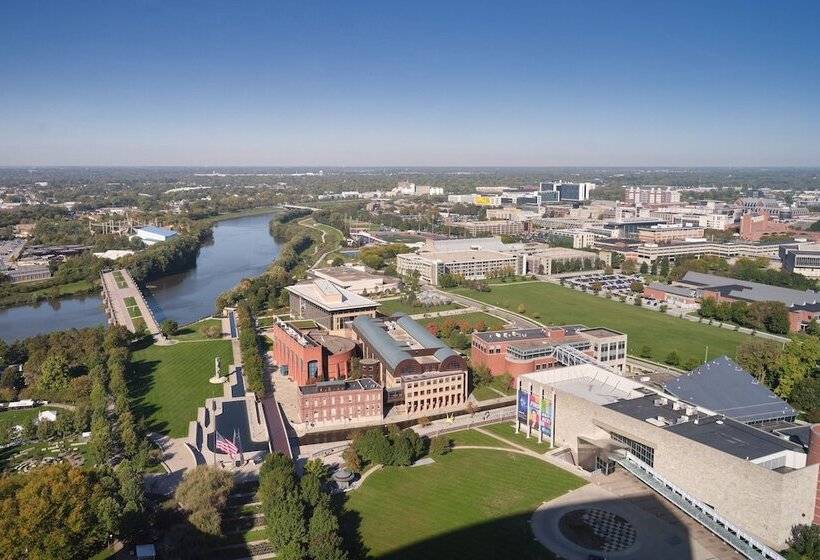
column 241, row 248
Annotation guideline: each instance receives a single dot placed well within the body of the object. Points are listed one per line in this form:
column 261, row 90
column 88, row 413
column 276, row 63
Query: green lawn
column 390, row 306
column 130, row 301
column 194, row 331
column 507, row 431
column 134, row 312
column 471, row 503
column 484, row 393
column 492, row 323
column 9, row 418
column 472, row 437
column 169, row 383
column 556, row 305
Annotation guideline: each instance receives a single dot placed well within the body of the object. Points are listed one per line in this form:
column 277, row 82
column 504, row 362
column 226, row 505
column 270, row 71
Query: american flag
column 225, row 445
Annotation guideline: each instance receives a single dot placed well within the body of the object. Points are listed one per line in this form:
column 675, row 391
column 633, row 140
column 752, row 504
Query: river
column 241, row 248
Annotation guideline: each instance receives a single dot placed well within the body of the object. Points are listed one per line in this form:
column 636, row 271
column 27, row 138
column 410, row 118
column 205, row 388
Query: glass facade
column 641, row 452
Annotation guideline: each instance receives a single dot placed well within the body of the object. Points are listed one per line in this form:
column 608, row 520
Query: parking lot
column 615, row 284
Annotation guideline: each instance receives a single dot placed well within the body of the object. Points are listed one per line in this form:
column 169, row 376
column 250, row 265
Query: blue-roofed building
column 726, row 388
column 154, row 234
column 417, row 370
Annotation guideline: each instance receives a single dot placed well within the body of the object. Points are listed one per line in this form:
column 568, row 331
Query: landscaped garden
column 169, row 383
column 201, row 330
column 471, row 503
column 651, row 334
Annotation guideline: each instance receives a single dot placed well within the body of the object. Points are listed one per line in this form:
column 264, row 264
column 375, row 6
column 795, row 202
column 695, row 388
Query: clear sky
column 133, row 82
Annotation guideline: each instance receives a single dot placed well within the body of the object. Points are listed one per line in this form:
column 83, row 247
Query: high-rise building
column 651, row 195
column 569, row 192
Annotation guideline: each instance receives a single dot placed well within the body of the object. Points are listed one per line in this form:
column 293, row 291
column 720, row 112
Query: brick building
column 418, row 371
column 755, row 227
column 310, row 356
column 521, row 351
column 333, row 402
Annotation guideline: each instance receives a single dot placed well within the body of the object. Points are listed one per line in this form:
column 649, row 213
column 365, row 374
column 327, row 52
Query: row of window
column 642, row 452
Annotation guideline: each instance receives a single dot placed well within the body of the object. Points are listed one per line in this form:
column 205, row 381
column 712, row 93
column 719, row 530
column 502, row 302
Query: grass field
column 507, row 431
column 169, row 383
column 492, row 323
column 9, row 418
column 471, row 503
column 484, row 393
column 472, row 437
column 557, row 305
column 194, row 331
column 390, row 306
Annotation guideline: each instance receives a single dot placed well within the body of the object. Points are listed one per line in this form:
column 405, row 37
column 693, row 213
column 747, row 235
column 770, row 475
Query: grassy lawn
column 390, row 306
column 484, row 393
column 557, row 305
column 471, row 503
column 492, row 323
column 134, row 312
column 507, row 431
column 472, row 437
column 169, row 383
column 194, row 331
column 9, row 418
column 303, row 324
column 130, row 301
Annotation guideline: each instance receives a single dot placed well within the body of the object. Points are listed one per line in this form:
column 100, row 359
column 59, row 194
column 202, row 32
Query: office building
column 544, row 260
column 419, row 372
column 748, row 485
column 520, row 351
column 330, row 306
column 569, row 192
column 756, row 227
column 801, row 258
column 491, row 227
column 357, row 280
column 667, row 233
column 651, row 195
column 471, row 264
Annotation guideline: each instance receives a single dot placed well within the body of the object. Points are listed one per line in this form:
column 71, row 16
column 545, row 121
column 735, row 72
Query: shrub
column 440, row 445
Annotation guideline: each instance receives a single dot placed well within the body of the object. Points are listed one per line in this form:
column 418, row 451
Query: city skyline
column 423, row 85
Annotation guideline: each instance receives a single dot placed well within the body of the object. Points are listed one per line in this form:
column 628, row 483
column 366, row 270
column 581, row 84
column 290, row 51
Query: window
column 642, row 452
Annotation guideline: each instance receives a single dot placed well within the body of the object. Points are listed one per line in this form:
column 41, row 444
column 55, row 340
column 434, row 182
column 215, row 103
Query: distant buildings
column 520, row 351
column 803, row 306
column 755, row 227
column 569, row 192
column 154, row 234
column 667, row 233
column 327, row 304
column 491, row 227
column 651, row 195
column 471, row 264
column 418, row 371
column 801, row 258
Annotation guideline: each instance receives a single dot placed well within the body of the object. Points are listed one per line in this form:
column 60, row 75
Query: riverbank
column 49, row 293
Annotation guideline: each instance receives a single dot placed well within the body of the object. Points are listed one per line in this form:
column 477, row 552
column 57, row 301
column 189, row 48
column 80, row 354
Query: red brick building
column 520, row 351
column 755, row 227
column 310, row 356
column 334, row 402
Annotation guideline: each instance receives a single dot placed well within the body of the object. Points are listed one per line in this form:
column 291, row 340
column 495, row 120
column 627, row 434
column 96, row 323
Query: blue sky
column 409, row 83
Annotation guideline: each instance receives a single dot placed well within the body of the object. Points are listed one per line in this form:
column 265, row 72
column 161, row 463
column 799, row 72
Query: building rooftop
column 330, row 297
column 589, row 382
column 601, row 332
column 726, row 388
column 363, row 383
column 346, row 274
column 396, row 338
column 486, row 243
column 157, row 231
column 462, row 256
column 750, row 291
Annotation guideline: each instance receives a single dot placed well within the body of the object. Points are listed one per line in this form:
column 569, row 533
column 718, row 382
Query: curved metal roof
column 382, row 343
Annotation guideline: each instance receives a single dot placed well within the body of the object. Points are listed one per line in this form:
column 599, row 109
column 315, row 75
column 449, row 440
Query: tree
column 596, row 286
column 636, row 287
column 644, row 268
column 804, row 543
column 203, row 493
column 285, row 521
column 629, row 267
column 664, row 268
column 168, row 327
column 672, row 358
column 440, row 445
column 323, row 539
column 352, row 460
column 54, row 373
column 310, row 488
column 337, row 261
column 805, row 395
column 52, row 512
column 758, row 357
column 645, row 352
column 317, row 468
column 374, row 447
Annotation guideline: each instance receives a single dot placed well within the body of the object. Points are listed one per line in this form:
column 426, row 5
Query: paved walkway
column 176, row 458
column 115, row 296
